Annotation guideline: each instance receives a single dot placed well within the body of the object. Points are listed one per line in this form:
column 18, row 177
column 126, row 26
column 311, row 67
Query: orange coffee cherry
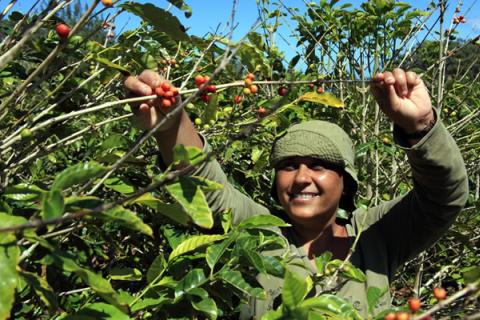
column 107, row 3
column 262, row 112
column 414, row 304
column 390, row 316
column 439, row 293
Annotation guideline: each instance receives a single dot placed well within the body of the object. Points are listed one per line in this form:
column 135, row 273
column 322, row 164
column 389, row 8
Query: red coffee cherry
column 62, row 30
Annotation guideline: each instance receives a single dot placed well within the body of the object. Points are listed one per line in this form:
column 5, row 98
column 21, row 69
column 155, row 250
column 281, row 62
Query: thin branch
column 166, row 178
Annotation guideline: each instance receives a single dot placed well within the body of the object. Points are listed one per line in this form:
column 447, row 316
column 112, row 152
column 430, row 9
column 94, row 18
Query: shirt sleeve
column 228, row 197
column 409, row 224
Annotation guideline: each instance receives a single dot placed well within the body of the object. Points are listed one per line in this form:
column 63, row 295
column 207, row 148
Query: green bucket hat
column 320, row 140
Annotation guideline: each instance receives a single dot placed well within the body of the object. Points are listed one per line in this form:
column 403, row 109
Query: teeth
column 303, row 195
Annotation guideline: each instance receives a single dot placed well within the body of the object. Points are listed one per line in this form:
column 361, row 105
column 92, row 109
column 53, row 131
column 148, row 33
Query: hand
column 148, row 113
column 403, row 97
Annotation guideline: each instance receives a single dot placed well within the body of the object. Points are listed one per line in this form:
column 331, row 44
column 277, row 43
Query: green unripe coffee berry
column 26, row 133
column 198, row 121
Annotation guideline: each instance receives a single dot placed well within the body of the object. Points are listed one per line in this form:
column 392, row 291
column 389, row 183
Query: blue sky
column 208, row 15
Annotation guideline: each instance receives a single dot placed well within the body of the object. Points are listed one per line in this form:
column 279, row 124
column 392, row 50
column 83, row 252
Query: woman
column 315, row 176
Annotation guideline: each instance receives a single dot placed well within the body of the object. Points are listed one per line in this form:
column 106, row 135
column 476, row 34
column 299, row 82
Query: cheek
column 281, row 184
column 331, row 182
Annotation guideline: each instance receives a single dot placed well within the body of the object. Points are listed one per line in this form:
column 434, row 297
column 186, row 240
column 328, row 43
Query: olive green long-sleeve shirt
column 393, row 232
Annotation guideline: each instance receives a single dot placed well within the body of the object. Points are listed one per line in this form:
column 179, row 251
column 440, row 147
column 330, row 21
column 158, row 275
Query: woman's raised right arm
column 180, row 130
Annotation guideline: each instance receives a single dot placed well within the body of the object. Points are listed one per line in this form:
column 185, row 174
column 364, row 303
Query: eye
column 317, row 167
column 288, row 166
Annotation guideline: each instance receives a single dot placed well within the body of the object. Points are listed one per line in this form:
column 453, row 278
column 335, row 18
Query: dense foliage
column 93, row 226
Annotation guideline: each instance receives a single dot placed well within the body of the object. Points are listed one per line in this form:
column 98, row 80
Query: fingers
column 137, row 87
column 150, row 78
column 400, row 79
column 413, row 79
column 402, row 82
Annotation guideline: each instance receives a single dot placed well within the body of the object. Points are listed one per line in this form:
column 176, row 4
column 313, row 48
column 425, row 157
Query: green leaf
column 207, row 306
column 205, row 184
column 227, row 219
column 330, row 305
column 174, row 236
column 373, row 296
column 325, row 98
column 106, row 62
column 262, row 221
column 9, row 220
column 96, row 282
column 273, row 315
column 273, row 266
column 160, row 19
column 471, row 274
column 9, row 255
column 255, row 260
column 194, row 243
column 235, row 279
column 150, row 302
column 157, row 267
column 294, row 290
column 52, row 204
column 42, row 289
column 182, row 6
column 187, row 154
column 126, row 218
column 321, row 262
column 173, row 211
column 349, row 271
column 24, row 192
column 125, row 274
column 119, row 185
column 98, row 311
column 215, row 251
column 194, row 279
column 188, row 193
column 83, row 202
column 79, row 173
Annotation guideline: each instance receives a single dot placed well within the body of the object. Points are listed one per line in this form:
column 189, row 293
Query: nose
column 303, row 176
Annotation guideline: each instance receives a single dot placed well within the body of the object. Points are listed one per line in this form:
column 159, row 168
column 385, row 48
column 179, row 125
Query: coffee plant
column 93, row 225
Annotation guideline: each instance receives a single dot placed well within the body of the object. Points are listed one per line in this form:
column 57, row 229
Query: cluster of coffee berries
column 211, row 88
column 250, row 88
column 62, row 30
column 459, row 19
column 414, row 304
column 167, row 93
column 171, row 62
column 319, row 86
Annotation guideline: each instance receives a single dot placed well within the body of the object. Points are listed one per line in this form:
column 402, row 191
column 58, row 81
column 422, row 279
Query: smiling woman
column 315, row 176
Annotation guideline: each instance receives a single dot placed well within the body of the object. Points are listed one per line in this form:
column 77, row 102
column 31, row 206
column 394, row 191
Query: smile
column 303, row 196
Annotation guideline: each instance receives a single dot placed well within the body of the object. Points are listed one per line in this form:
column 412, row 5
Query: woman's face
column 309, row 190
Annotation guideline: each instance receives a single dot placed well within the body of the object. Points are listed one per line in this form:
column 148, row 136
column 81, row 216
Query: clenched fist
column 403, row 97
column 149, row 113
